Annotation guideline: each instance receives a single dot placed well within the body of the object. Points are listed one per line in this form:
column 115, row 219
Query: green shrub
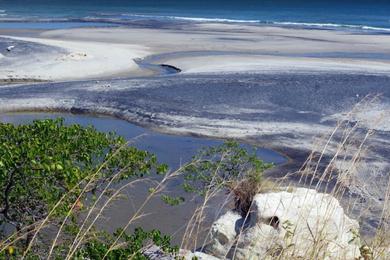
column 215, row 167
column 131, row 248
column 42, row 161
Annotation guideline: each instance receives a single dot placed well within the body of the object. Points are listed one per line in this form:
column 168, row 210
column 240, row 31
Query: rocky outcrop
column 299, row 223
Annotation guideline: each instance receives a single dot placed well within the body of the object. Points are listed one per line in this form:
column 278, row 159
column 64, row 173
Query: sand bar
column 199, row 48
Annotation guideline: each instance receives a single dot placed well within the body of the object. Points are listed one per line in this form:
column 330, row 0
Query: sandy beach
column 75, row 60
column 88, row 53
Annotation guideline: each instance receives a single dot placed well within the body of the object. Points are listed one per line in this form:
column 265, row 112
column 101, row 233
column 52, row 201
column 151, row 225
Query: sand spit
column 78, row 60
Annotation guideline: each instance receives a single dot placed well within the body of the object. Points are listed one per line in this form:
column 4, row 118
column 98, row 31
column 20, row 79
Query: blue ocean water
column 329, row 14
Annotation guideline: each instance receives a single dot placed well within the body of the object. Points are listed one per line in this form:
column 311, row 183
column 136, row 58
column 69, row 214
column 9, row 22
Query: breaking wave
column 129, row 18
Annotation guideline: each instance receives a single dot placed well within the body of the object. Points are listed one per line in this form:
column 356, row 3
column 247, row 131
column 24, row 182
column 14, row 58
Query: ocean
column 349, row 15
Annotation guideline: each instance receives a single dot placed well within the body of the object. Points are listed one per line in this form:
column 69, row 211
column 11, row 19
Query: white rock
column 312, row 221
column 291, row 225
column 224, row 232
column 9, row 48
column 257, row 242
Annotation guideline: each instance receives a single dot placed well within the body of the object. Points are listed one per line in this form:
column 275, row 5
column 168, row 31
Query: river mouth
column 170, row 149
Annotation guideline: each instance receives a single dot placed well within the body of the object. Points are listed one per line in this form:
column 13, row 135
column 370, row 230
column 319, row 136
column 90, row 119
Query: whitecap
column 333, row 25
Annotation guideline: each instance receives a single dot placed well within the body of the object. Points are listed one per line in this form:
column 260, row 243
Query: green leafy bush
column 131, row 248
column 42, row 161
column 46, row 162
column 217, row 167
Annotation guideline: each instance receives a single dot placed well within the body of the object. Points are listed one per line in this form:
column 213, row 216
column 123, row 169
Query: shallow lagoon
column 170, row 149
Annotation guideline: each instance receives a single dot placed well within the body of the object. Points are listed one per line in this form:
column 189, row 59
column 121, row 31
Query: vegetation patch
column 48, row 170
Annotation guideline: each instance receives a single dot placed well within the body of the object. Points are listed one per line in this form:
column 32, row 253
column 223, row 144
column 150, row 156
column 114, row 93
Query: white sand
column 82, row 60
column 107, row 52
column 265, row 63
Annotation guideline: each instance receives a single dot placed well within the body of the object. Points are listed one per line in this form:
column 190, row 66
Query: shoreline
column 170, row 20
column 92, row 113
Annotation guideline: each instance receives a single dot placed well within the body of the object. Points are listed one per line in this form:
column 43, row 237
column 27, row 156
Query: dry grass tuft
column 243, row 192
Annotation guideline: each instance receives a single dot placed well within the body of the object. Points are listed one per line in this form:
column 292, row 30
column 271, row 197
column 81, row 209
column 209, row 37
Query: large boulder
column 299, row 223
